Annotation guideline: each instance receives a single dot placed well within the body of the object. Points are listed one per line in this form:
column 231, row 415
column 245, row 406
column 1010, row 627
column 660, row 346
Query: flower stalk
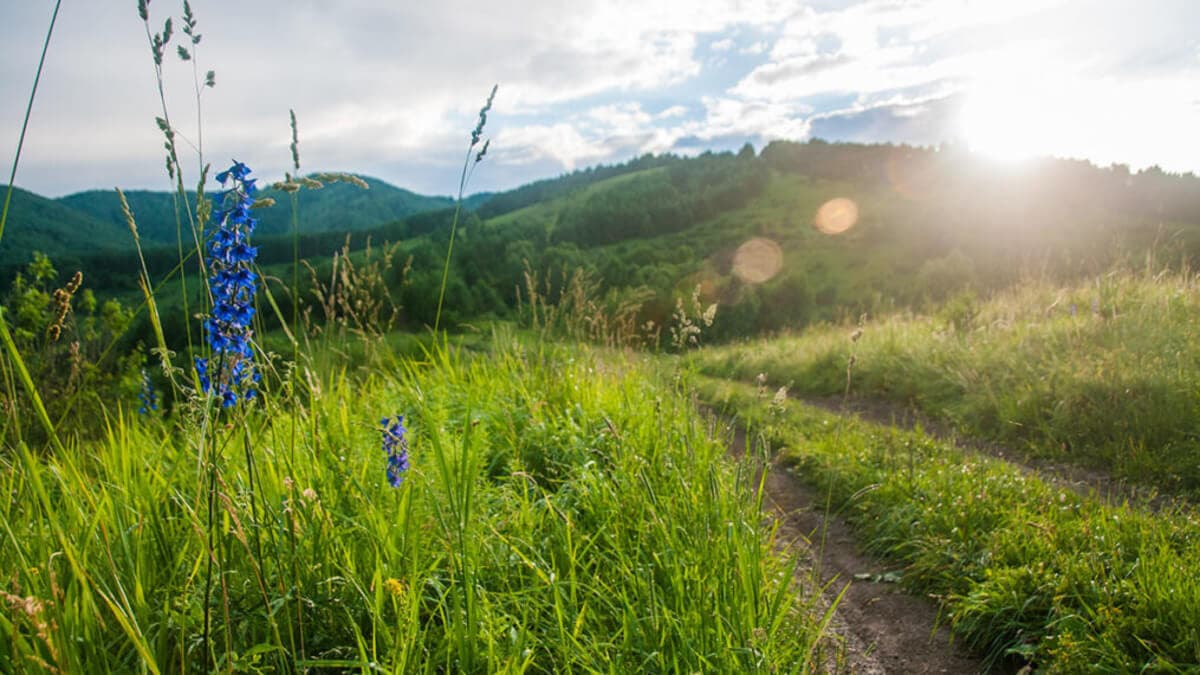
column 229, row 374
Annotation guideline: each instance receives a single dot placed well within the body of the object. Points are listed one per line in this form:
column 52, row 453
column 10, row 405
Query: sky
column 392, row 89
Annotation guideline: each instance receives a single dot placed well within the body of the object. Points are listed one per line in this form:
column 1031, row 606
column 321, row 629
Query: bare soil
column 885, row 630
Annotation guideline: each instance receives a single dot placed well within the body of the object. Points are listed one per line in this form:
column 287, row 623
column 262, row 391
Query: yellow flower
column 395, row 587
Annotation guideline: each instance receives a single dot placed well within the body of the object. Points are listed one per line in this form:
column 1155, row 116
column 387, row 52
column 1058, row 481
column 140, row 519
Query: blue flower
column 395, row 446
column 147, row 396
column 230, row 375
column 238, row 171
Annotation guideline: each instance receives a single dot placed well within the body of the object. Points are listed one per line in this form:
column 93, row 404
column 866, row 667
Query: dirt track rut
column 885, row 630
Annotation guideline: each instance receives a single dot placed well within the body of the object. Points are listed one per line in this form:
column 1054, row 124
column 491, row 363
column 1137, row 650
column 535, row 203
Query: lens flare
column 913, row 178
column 836, row 216
column 757, row 260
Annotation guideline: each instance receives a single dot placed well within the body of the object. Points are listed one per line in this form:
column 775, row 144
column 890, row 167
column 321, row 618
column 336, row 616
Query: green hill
column 929, row 225
column 36, row 223
column 335, row 207
column 921, row 226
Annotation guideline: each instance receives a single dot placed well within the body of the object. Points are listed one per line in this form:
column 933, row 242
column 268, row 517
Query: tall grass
column 14, row 367
column 1024, row 570
column 467, row 169
column 563, row 511
column 12, row 176
column 1101, row 373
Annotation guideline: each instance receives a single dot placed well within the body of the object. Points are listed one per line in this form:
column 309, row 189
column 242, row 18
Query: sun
column 1026, row 101
column 1015, row 109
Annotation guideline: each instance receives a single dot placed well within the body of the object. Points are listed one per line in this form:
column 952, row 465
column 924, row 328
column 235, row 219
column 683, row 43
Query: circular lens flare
column 757, row 260
column 836, row 216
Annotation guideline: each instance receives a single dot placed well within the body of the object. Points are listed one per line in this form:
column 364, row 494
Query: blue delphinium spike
column 231, row 375
column 395, row 446
column 147, row 396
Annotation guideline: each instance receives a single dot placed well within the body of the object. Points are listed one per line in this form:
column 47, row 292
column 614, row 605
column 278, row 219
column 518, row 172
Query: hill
column 919, row 226
column 335, row 207
column 89, row 229
column 922, row 226
column 36, row 223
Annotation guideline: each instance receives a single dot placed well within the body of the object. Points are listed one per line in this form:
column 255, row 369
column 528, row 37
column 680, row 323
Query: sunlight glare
column 1025, row 102
column 836, row 216
column 1010, row 108
column 757, row 260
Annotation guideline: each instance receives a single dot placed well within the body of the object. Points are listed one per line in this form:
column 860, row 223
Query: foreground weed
column 467, row 170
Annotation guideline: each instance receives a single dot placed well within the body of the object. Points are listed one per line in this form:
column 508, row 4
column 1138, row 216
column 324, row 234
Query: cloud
column 367, row 78
column 735, row 118
column 395, row 87
column 673, row 111
column 723, row 45
column 618, row 131
column 918, row 122
column 789, row 70
column 561, row 143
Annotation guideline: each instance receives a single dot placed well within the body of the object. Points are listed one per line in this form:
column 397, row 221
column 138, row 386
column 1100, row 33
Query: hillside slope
column 36, row 223
column 911, row 228
column 337, row 206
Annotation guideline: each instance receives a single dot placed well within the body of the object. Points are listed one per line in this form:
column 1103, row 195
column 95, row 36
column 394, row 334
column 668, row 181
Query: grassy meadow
column 564, row 510
column 1102, row 372
column 258, row 483
column 1025, row 571
column 478, row 436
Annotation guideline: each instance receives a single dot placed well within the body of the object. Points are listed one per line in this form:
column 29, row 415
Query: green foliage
column 39, row 224
column 336, row 207
column 959, row 313
column 1023, row 568
column 788, row 301
column 931, row 225
column 548, row 523
column 663, row 201
column 75, row 348
column 1101, row 374
column 939, row 278
column 554, row 188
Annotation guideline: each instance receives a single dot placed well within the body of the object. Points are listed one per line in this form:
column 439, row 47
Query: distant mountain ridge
column 337, row 206
column 36, row 223
column 91, row 221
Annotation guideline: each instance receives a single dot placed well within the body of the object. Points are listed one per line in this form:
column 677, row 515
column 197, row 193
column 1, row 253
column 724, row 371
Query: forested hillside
column 39, row 224
column 927, row 225
column 335, row 207
column 87, row 223
column 921, row 226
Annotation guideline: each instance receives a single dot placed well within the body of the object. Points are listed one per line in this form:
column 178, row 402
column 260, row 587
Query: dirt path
column 1083, row 481
column 886, row 630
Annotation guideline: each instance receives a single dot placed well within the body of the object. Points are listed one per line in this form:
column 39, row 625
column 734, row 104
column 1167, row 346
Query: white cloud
column 673, row 111
column 885, row 69
column 367, row 78
column 560, row 142
column 731, row 117
column 620, row 118
column 390, row 84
